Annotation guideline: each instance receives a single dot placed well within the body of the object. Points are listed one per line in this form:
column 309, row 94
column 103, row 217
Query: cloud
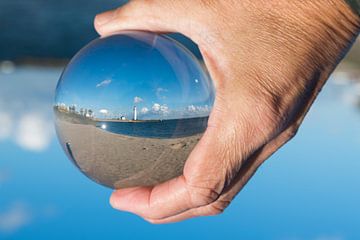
column 198, row 109
column 138, row 100
column 19, row 214
column 34, row 132
column 156, row 107
column 144, row 110
column 103, row 111
column 6, row 125
column 164, row 109
column 28, row 91
column 7, row 67
column 160, row 93
column 104, row 83
column 191, row 108
column 160, row 109
column 14, row 218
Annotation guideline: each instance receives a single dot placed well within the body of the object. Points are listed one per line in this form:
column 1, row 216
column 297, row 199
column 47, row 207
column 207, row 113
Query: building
column 72, row 109
column 135, row 114
column 62, row 107
column 89, row 113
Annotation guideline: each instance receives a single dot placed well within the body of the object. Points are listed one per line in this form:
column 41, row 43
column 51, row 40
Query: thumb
column 155, row 16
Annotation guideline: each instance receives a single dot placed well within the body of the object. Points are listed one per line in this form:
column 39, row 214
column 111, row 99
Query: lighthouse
column 135, row 114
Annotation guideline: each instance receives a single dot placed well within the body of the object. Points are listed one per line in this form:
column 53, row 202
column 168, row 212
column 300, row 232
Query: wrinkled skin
column 268, row 59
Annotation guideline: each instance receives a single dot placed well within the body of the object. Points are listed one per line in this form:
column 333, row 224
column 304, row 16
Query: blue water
column 307, row 190
column 173, row 128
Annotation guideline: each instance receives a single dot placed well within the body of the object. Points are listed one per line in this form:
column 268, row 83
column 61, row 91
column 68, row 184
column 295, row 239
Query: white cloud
column 144, row 110
column 14, row 218
column 104, row 83
column 164, row 109
column 6, row 125
column 34, row 132
column 138, row 99
column 7, row 67
column 198, row 109
column 28, row 91
column 156, row 107
column 191, row 108
column 160, row 109
column 104, row 111
column 205, row 108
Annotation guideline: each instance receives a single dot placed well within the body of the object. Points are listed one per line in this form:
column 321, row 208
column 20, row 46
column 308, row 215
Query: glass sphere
column 129, row 108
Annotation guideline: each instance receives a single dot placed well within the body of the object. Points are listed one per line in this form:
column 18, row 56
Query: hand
column 268, row 60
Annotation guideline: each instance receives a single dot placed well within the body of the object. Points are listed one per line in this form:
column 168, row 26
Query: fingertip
column 114, row 201
column 97, row 27
column 102, row 19
column 159, row 221
column 152, row 221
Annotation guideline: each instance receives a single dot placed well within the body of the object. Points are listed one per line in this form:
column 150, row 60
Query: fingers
column 246, row 172
column 203, row 180
column 211, row 166
column 156, row 16
column 160, row 201
column 134, row 16
column 213, row 209
column 206, row 169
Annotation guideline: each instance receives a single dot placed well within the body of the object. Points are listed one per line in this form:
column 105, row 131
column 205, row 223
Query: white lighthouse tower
column 135, row 114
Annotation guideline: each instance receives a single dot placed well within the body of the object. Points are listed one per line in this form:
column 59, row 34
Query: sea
column 174, row 128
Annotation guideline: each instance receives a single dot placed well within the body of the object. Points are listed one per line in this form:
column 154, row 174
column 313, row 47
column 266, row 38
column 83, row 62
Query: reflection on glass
column 130, row 108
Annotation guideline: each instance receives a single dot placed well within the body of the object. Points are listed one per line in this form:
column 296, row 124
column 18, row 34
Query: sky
column 160, row 78
column 309, row 190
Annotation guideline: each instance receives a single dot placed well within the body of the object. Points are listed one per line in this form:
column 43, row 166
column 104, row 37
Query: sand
column 120, row 161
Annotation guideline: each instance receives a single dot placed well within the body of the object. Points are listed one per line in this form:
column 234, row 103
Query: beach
column 120, row 161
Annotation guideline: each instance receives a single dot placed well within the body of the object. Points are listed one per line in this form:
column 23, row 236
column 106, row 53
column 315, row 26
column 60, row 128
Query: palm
column 268, row 64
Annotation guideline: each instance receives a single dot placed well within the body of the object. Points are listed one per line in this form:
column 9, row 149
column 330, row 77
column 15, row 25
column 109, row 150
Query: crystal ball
column 129, row 108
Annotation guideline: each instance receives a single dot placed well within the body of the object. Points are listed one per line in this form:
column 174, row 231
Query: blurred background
column 308, row 190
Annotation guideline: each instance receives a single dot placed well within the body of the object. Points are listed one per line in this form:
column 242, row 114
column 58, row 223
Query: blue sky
column 309, row 190
column 154, row 74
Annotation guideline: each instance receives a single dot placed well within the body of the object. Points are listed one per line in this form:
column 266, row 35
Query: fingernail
column 104, row 18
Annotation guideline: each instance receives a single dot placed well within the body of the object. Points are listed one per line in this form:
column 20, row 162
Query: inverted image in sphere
column 130, row 108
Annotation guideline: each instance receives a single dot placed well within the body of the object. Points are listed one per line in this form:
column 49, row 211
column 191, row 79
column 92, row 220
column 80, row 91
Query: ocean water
column 174, row 128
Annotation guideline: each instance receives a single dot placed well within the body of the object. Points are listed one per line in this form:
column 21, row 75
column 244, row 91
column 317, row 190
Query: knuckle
column 201, row 196
column 218, row 207
column 150, row 216
column 292, row 131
